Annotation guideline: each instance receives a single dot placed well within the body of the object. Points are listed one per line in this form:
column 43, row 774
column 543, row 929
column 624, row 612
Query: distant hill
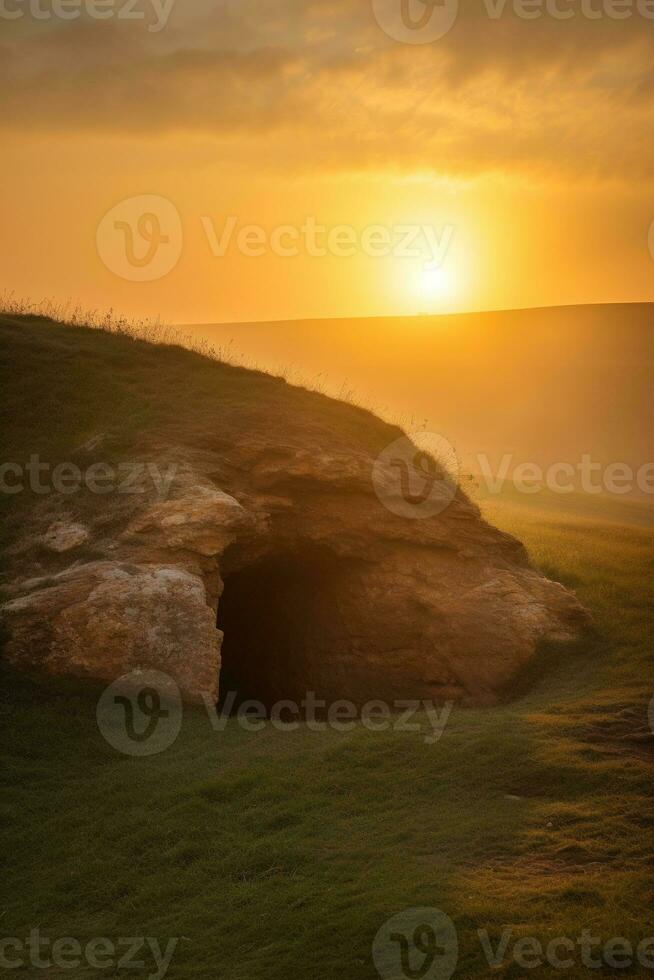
column 546, row 385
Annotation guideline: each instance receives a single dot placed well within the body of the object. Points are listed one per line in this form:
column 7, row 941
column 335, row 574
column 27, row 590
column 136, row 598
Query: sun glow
column 435, row 282
column 436, row 287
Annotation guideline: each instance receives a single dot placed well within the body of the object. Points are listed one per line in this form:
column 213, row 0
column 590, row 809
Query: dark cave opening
column 277, row 615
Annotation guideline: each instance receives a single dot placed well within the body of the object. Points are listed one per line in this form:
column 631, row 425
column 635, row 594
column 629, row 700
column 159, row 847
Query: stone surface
column 62, row 536
column 104, row 619
column 326, row 589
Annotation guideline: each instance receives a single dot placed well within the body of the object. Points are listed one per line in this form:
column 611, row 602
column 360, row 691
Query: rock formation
column 272, row 529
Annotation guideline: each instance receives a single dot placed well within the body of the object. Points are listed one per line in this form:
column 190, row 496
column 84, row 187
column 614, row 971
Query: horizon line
column 417, row 316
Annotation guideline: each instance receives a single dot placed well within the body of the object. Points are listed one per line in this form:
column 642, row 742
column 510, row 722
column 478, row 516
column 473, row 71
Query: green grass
column 278, row 855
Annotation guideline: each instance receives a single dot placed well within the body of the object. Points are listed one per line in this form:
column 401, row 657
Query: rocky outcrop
column 278, row 523
column 104, row 618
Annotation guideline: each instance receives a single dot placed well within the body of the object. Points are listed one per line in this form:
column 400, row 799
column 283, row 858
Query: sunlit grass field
column 277, row 855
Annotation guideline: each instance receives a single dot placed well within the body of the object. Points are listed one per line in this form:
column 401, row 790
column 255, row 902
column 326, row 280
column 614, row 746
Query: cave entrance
column 279, row 616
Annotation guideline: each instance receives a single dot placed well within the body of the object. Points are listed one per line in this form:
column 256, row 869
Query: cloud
column 316, row 83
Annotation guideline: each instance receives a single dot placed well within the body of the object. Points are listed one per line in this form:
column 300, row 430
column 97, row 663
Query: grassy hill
column 279, row 855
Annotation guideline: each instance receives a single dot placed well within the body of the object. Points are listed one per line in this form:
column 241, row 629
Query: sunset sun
column 433, row 288
column 436, row 282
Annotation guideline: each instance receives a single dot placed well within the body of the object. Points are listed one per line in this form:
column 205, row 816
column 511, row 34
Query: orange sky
column 523, row 144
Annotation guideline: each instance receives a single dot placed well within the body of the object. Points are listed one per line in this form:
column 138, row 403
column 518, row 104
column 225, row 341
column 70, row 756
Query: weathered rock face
column 272, row 523
column 103, row 618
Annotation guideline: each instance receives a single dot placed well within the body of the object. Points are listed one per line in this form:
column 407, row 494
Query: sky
column 243, row 160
